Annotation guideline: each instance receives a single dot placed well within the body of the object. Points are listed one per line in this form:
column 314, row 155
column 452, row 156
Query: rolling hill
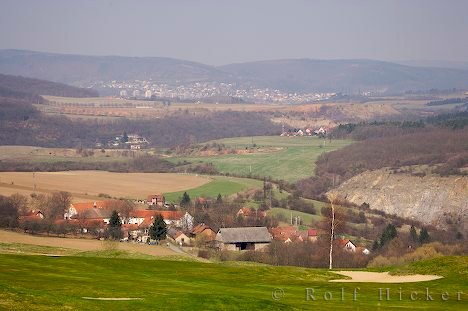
column 294, row 75
column 81, row 70
column 347, row 76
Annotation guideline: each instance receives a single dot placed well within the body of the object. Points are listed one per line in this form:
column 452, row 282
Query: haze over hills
column 293, row 75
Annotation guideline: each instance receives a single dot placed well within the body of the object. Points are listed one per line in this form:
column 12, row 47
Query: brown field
column 85, row 244
column 40, row 154
column 86, row 185
column 105, row 107
column 296, row 116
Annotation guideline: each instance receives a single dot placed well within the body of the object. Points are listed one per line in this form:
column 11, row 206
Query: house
column 290, row 234
column 135, row 147
column 130, row 231
column 246, row 238
column 312, row 235
column 347, row 245
column 76, row 208
column 362, row 250
column 145, row 218
column 248, row 212
column 285, row 234
column 205, row 231
column 31, row 216
column 178, row 236
column 156, row 200
column 321, row 132
column 84, row 225
column 95, row 214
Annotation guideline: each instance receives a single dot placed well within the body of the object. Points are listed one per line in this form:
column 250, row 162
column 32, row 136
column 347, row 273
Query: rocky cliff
column 432, row 200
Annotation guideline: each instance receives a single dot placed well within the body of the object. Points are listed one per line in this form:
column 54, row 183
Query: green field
column 308, row 219
column 295, row 160
column 219, row 185
column 29, row 282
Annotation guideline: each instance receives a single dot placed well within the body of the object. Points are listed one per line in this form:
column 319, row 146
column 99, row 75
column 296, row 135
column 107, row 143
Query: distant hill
column 348, row 76
column 29, row 88
column 81, row 70
column 295, row 75
column 18, row 94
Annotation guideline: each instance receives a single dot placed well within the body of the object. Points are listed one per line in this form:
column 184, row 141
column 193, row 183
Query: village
column 93, row 220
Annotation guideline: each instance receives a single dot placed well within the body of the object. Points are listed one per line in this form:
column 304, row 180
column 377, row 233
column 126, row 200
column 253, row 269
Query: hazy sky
column 219, row 32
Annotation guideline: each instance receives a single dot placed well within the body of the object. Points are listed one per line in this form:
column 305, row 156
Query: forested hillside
column 28, row 88
column 418, row 148
column 22, row 124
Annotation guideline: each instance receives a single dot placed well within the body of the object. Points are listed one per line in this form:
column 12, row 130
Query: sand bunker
column 111, row 299
column 383, row 277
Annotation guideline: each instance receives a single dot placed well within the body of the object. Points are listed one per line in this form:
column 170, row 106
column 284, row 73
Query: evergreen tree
column 388, row 234
column 115, row 226
column 413, row 235
column 219, row 199
column 424, row 236
column 158, row 230
column 125, row 137
column 375, row 246
column 185, row 199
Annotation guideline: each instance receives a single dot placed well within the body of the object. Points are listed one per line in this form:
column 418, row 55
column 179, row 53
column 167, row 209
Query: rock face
column 432, row 200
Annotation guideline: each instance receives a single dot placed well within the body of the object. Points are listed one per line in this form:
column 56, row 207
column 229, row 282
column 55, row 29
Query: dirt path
column 383, row 277
column 84, row 244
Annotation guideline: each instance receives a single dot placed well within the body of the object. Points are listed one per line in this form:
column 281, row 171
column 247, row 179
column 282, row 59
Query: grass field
column 219, row 185
column 30, row 282
column 308, row 219
column 295, row 160
column 86, row 185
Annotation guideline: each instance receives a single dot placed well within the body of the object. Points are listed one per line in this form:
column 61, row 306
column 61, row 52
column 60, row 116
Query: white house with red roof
column 76, row 208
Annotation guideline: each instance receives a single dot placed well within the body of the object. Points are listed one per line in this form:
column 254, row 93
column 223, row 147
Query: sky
column 217, row 32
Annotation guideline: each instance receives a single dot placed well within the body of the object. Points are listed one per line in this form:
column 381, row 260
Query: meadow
column 223, row 185
column 31, row 282
column 294, row 158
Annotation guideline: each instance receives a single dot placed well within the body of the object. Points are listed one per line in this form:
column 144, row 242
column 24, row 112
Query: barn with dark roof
column 244, row 238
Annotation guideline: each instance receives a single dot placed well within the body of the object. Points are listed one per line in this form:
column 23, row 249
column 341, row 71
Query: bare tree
column 20, row 202
column 332, row 229
column 57, row 204
column 333, row 222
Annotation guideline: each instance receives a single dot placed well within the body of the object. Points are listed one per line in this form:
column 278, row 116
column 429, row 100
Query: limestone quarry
column 434, row 200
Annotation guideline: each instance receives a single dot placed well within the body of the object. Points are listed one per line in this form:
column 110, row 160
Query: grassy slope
column 45, row 283
column 295, row 161
column 308, row 219
column 220, row 185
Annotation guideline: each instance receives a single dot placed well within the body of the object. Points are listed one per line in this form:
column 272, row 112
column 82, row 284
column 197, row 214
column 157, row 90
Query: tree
column 125, row 137
column 20, row 202
column 424, row 236
column 185, row 199
column 8, row 212
column 115, row 226
column 158, row 230
column 123, row 207
column 333, row 221
column 219, row 199
column 57, row 204
column 388, row 234
column 413, row 235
